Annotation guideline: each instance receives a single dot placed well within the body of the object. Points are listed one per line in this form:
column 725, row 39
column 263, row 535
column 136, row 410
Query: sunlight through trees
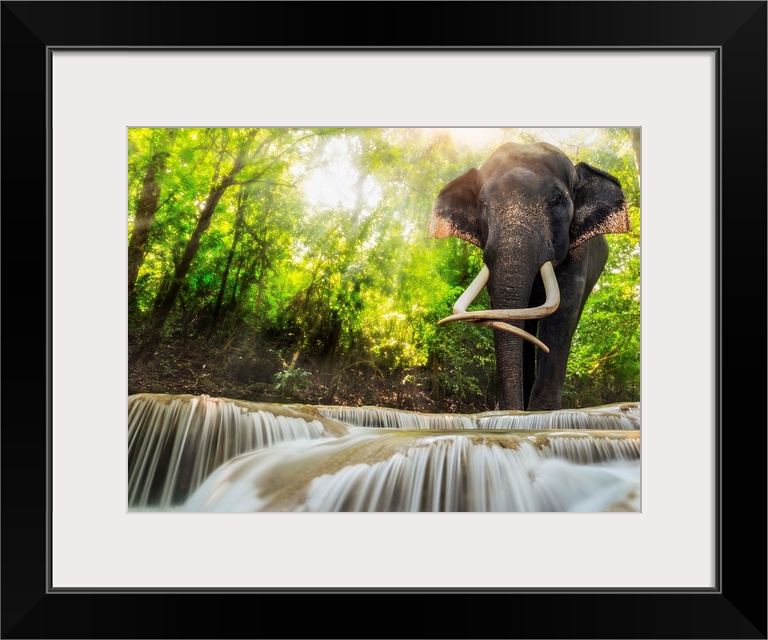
column 308, row 248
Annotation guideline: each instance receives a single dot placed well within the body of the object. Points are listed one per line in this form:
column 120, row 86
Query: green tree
column 313, row 243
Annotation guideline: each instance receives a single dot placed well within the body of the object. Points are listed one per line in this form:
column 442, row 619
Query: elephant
column 540, row 221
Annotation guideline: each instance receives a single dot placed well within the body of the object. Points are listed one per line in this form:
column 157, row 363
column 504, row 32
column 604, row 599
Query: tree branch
column 256, row 179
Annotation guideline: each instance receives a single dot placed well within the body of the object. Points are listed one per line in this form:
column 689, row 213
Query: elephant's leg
column 576, row 277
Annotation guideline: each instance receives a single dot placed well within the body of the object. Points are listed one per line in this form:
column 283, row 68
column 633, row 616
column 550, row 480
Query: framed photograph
column 127, row 108
column 308, row 340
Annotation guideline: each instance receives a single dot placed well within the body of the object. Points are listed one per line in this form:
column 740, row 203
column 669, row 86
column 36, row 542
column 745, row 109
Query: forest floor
column 237, row 373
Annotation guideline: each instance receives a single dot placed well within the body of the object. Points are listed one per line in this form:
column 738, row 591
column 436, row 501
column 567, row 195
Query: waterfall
column 196, row 453
column 175, row 442
column 380, row 470
column 615, row 416
column 380, row 418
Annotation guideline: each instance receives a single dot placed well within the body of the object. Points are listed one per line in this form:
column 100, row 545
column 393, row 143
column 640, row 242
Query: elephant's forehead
column 540, row 159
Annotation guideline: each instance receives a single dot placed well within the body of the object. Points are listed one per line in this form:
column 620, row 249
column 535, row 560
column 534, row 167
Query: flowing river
column 202, row 454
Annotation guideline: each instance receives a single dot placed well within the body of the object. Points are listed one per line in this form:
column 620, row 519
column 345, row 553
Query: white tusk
column 470, row 294
column 548, row 308
column 503, row 326
column 550, row 304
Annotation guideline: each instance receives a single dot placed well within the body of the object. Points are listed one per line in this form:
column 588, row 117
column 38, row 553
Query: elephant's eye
column 557, row 200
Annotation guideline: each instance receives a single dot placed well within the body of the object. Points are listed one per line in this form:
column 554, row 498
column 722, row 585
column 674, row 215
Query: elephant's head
column 539, row 220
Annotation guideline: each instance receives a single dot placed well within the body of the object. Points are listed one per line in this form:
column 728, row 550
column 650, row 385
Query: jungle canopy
column 295, row 265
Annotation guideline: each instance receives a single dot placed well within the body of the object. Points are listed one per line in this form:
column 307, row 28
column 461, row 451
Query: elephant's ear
column 455, row 212
column 599, row 205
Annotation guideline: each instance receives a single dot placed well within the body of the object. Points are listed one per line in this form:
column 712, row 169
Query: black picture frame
column 736, row 608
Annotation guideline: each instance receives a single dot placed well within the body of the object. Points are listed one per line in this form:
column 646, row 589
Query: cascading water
column 176, row 442
column 616, row 416
column 195, row 453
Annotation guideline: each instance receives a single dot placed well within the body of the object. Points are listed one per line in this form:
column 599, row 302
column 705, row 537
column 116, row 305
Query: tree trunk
column 225, row 276
column 634, row 133
column 145, row 214
column 165, row 303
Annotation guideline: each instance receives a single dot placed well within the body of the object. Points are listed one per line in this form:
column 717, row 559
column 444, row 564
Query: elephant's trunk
column 510, row 298
column 509, row 287
column 509, row 370
column 499, row 318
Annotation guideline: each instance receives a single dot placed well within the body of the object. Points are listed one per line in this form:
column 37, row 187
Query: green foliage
column 464, row 372
column 291, row 378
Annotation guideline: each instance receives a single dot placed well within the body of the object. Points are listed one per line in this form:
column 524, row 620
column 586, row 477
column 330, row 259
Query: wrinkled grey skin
column 528, row 204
